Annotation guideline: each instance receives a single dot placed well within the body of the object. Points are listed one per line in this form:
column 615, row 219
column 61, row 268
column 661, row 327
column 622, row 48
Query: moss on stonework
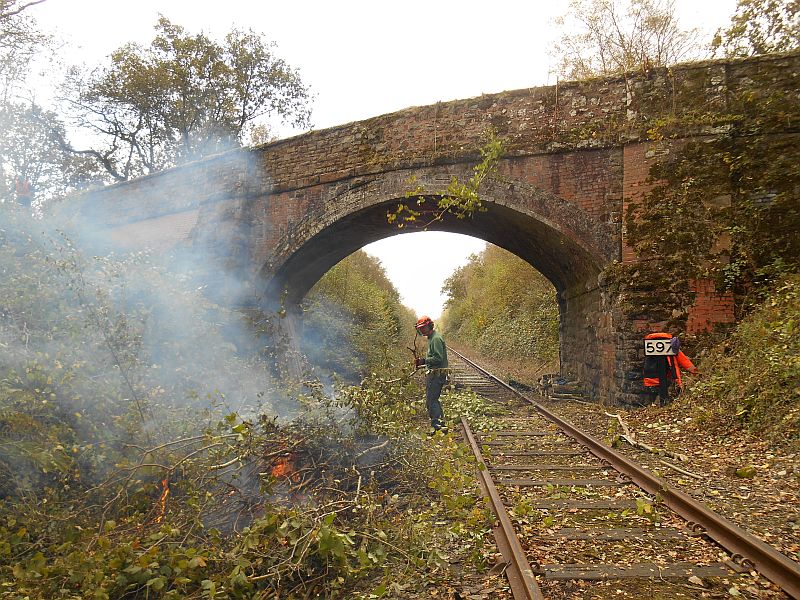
column 723, row 207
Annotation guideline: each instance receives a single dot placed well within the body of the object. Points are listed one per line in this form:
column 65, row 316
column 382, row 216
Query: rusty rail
column 750, row 550
column 518, row 571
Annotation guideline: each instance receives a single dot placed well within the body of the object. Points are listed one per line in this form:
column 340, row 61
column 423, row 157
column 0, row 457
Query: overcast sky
column 363, row 59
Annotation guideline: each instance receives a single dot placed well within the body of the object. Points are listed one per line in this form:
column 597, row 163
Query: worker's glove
column 419, row 362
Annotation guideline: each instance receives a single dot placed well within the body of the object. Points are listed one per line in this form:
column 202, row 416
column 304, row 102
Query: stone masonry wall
column 553, row 120
column 586, row 142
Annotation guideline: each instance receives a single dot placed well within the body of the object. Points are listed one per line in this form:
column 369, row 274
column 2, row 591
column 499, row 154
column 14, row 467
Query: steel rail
column 519, row 573
column 743, row 545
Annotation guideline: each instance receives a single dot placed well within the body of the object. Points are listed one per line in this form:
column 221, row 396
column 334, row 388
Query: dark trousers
column 660, row 393
column 434, row 382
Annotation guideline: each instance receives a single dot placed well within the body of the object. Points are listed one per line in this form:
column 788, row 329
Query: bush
column 753, row 378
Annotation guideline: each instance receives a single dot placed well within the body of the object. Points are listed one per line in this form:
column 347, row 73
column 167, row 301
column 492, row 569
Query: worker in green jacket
column 435, row 363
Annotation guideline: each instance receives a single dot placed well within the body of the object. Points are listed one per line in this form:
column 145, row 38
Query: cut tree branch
column 631, row 439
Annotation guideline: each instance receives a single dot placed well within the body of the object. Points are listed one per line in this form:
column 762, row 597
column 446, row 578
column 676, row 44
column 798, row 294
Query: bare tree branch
column 8, row 10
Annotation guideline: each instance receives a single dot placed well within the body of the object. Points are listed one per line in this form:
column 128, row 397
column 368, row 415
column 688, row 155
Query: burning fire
column 284, row 467
column 162, row 501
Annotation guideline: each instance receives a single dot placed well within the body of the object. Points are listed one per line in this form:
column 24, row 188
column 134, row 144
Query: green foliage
column 354, row 322
column 499, row 305
column 395, row 408
column 753, row 378
column 95, row 352
column 183, row 97
column 760, row 27
column 29, row 151
column 722, row 208
column 479, row 412
column 383, row 406
column 20, row 41
column 123, row 477
column 290, row 552
column 388, row 406
column 460, row 200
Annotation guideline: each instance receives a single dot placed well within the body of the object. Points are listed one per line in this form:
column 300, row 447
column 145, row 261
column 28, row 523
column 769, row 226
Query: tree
column 19, row 41
column 33, row 167
column 31, row 157
column 760, row 27
column 608, row 37
column 460, row 200
column 501, row 306
column 183, row 97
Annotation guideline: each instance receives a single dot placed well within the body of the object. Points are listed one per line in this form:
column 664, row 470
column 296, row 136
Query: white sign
column 658, row 348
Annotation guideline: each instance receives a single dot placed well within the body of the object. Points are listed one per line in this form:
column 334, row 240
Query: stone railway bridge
column 281, row 215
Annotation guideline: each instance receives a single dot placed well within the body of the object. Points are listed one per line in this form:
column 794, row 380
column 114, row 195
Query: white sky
column 364, row 58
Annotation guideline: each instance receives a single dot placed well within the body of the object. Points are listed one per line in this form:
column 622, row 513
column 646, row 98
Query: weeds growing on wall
column 752, row 380
column 723, row 207
column 460, row 200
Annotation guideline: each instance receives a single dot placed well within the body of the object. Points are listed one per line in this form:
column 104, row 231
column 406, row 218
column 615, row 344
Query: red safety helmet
column 423, row 322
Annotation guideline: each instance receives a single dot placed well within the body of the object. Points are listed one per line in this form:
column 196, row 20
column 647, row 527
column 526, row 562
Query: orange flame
column 162, row 501
column 284, row 467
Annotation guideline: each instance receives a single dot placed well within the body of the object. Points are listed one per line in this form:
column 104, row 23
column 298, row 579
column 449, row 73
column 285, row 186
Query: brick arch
column 557, row 238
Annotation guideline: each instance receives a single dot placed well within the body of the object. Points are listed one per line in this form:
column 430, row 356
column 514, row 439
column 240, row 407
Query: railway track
column 576, row 519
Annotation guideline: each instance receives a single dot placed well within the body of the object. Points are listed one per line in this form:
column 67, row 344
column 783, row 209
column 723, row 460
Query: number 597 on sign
column 658, row 348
